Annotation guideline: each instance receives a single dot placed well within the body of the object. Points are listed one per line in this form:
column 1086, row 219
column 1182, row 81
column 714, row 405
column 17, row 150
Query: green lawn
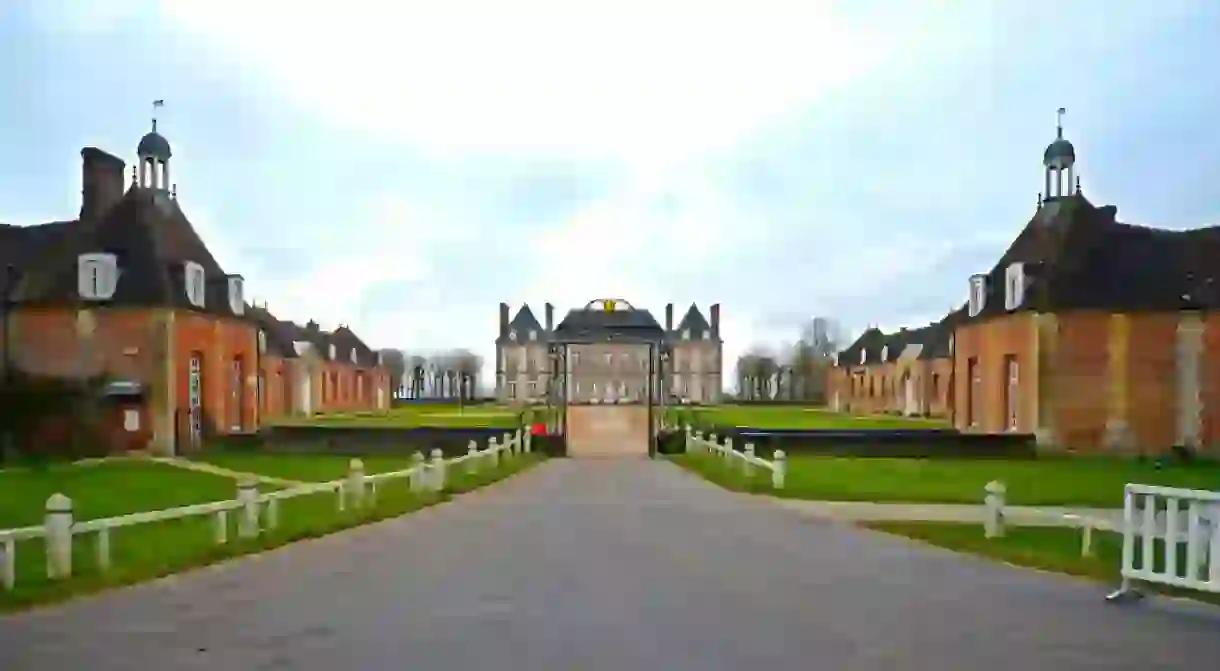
column 1050, row 549
column 1092, row 482
column 148, row 551
column 303, row 467
column 429, row 415
column 796, row 417
column 105, row 489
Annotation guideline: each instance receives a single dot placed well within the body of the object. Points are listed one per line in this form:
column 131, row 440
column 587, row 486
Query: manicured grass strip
column 797, row 417
column 144, row 552
column 303, row 467
column 105, row 489
column 440, row 416
column 1049, row 549
column 1088, row 482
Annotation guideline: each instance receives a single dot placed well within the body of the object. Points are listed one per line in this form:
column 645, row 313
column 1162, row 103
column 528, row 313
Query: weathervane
column 156, row 104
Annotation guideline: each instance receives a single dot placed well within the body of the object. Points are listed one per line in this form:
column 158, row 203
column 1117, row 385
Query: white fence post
column 747, row 464
column 993, row 509
column 8, row 563
column 273, row 513
column 419, row 472
column 221, row 527
column 103, row 549
column 529, row 440
column 438, row 469
column 355, row 482
column 779, row 469
column 247, row 496
column 517, row 443
column 490, row 453
column 58, row 524
column 686, row 446
column 472, row 457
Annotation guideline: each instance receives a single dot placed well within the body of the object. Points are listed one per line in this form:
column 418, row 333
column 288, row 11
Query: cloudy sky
column 404, row 169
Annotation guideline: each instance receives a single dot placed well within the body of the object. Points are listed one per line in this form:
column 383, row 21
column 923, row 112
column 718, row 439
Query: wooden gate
column 607, row 430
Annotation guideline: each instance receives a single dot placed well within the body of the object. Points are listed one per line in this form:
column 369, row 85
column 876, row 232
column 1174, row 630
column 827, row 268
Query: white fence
column 1176, row 518
column 749, row 462
column 254, row 511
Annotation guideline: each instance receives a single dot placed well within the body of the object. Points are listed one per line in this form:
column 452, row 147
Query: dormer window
column 331, row 351
column 978, row 295
column 262, row 342
column 885, row 353
column 97, row 276
column 354, row 355
column 380, row 359
column 686, row 334
column 512, row 335
column 863, row 356
column 1014, row 286
column 707, row 335
column 237, row 299
column 195, row 281
column 533, row 335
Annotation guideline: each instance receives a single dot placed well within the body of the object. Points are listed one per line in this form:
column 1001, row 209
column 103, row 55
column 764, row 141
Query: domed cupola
column 1059, row 160
column 154, row 153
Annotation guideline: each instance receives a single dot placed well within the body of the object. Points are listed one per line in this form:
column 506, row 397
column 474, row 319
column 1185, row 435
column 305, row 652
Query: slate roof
column 599, row 325
column 522, row 323
column 695, row 322
column 346, row 341
column 1078, row 256
column 280, row 334
column 933, row 339
column 148, row 233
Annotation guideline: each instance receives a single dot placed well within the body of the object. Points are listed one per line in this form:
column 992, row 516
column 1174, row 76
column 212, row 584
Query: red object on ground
column 539, row 429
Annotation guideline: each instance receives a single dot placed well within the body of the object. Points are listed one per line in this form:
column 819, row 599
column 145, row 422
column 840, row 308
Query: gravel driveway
column 588, row 565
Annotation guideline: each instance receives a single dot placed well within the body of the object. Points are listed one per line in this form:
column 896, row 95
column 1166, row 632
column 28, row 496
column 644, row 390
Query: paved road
column 610, row 565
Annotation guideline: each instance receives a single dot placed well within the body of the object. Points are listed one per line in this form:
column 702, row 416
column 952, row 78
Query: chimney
column 101, row 182
column 669, row 316
column 716, row 321
column 504, row 320
column 550, row 317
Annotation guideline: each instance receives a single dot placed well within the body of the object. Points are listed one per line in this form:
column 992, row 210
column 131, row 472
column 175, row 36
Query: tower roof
column 154, row 145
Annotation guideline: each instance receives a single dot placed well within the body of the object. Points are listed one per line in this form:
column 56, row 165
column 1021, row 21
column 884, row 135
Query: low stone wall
column 919, row 443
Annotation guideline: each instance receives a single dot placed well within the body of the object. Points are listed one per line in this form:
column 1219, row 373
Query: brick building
column 1092, row 334
column 128, row 290
column 907, row 372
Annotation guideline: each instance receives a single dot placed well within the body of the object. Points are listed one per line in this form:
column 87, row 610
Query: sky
column 403, row 168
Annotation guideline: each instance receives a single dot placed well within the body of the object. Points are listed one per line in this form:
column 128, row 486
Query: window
column 237, row 300
column 512, row 390
column 533, row 335
column 976, row 386
column 863, row 356
column 131, row 420
column 331, row 352
column 533, row 389
column 1014, row 286
column 686, row 334
column 97, row 276
column 512, row 335
column 978, row 295
column 707, row 335
column 353, row 357
column 262, row 342
column 885, row 353
column 195, row 280
column 1011, row 392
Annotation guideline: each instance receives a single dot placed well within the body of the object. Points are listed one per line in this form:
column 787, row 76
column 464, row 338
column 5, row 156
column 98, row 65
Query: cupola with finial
column 1059, row 160
column 154, row 154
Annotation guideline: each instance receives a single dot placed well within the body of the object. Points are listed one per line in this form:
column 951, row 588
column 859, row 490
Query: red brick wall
column 1152, row 380
column 226, row 402
column 1211, row 385
column 989, row 342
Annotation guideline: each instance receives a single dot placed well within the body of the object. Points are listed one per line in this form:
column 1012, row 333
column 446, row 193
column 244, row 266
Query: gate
column 607, row 430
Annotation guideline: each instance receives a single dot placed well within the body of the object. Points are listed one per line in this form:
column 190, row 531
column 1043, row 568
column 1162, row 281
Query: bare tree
column 396, row 361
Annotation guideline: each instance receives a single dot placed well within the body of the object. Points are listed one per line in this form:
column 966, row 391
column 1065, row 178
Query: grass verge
column 1048, row 549
column 422, row 416
column 148, row 551
column 796, row 417
column 105, row 489
column 302, row 467
column 1090, row 482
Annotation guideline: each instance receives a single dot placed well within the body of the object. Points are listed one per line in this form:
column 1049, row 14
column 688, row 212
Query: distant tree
column 396, row 361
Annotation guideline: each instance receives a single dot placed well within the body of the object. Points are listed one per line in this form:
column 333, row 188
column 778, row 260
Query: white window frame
column 863, row 355
column 512, row 335
column 353, row 356
column 331, row 352
column 97, row 275
column 262, row 341
column 686, row 334
column 194, row 280
column 978, row 295
column 1014, row 286
column 237, row 298
column 885, row 353
column 533, row 335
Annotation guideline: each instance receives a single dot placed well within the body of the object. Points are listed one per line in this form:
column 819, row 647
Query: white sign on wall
column 131, row 420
